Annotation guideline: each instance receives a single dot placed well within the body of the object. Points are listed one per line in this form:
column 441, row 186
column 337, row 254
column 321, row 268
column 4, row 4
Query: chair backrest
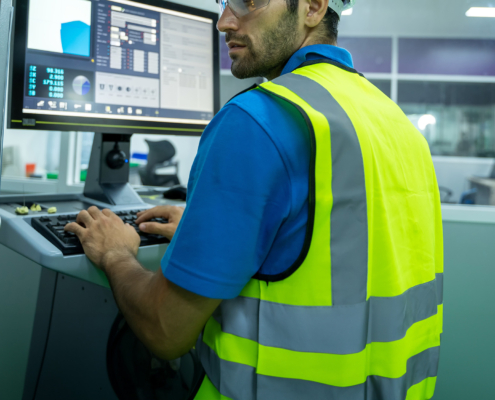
column 160, row 152
column 160, row 155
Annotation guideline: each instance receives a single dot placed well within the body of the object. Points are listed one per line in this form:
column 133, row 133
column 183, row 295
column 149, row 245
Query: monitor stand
column 108, row 171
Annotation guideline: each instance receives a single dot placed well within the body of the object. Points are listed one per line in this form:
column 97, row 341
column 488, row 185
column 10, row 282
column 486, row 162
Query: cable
column 47, row 336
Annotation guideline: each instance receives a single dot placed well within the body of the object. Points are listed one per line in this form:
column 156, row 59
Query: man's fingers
column 151, row 227
column 155, row 212
column 75, row 228
column 94, row 212
column 155, row 228
column 130, row 228
column 84, row 218
column 106, row 212
column 110, row 214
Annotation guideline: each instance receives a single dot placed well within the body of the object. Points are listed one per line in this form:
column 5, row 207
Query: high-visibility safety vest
column 359, row 314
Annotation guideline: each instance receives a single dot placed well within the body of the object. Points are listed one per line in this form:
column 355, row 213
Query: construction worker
column 308, row 262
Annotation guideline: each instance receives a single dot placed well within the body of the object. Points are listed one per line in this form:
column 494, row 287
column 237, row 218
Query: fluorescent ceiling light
column 481, row 12
column 349, row 12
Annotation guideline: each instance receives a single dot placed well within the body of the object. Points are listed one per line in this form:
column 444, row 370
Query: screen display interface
column 118, row 59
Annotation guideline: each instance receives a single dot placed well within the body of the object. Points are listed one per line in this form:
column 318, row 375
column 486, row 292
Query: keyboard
column 52, row 228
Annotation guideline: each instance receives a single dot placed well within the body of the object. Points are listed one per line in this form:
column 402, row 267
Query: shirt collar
column 318, row 51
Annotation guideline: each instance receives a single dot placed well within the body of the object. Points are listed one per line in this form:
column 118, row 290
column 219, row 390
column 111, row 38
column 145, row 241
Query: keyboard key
column 154, row 238
column 71, row 240
column 52, row 228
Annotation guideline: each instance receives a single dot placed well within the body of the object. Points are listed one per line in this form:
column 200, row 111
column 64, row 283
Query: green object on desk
column 52, row 175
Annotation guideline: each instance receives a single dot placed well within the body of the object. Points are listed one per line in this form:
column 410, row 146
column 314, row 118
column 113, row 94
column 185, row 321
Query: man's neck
column 310, row 42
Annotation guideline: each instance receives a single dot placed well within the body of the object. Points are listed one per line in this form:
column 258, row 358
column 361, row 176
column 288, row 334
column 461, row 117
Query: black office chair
column 445, row 194
column 160, row 156
column 137, row 374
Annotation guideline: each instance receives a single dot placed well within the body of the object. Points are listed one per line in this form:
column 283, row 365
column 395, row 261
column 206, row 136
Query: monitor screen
column 114, row 65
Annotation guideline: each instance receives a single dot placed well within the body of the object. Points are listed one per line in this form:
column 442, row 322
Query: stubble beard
column 276, row 46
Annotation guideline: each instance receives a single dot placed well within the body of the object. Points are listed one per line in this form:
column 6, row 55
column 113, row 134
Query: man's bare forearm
column 164, row 316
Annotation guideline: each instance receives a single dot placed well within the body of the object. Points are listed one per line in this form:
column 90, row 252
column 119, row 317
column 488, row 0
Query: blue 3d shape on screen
column 75, row 37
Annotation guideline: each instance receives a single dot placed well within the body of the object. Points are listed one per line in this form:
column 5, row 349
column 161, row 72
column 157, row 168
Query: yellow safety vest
column 359, row 315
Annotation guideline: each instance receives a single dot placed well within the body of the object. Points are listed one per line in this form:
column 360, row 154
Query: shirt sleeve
column 238, row 196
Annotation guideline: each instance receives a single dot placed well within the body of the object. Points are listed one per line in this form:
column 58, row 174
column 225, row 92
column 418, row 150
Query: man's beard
column 276, row 46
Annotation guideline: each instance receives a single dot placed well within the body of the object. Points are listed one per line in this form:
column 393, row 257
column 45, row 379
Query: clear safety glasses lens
column 241, row 8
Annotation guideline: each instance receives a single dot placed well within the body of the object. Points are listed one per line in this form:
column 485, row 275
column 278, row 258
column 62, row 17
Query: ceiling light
column 349, row 12
column 481, row 12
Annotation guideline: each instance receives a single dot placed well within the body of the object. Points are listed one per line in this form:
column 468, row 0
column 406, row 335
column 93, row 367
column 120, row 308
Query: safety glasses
column 240, row 8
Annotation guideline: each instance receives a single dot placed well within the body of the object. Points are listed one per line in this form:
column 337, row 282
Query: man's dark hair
column 330, row 21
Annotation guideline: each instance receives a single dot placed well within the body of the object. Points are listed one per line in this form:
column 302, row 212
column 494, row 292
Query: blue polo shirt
column 247, row 205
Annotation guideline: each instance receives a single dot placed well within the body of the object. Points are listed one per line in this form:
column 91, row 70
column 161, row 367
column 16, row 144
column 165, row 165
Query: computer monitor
column 113, row 66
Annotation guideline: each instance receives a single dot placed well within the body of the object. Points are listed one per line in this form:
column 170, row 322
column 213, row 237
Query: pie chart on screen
column 81, row 85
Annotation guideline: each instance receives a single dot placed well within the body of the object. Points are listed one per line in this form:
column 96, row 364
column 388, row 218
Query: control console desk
column 59, row 307
column 18, row 234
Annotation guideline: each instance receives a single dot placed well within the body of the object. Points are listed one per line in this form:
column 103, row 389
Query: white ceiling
column 422, row 18
column 425, row 18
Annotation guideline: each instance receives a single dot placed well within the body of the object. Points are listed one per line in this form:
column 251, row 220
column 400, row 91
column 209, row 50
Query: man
column 312, row 227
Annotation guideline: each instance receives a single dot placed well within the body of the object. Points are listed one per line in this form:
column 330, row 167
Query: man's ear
column 316, row 10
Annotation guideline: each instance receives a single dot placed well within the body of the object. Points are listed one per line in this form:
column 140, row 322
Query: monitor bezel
column 19, row 120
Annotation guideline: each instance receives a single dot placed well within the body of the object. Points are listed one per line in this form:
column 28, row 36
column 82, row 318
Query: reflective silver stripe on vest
column 349, row 219
column 332, row 330
column 240, row 382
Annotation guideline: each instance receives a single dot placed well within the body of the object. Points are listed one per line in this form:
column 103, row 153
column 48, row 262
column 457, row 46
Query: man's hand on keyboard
column 104, row 236
column 171, row 213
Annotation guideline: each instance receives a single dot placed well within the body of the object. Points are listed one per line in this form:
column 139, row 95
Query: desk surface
column 482, row 181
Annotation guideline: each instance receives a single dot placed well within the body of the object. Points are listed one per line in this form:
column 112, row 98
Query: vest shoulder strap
column 327, row 61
